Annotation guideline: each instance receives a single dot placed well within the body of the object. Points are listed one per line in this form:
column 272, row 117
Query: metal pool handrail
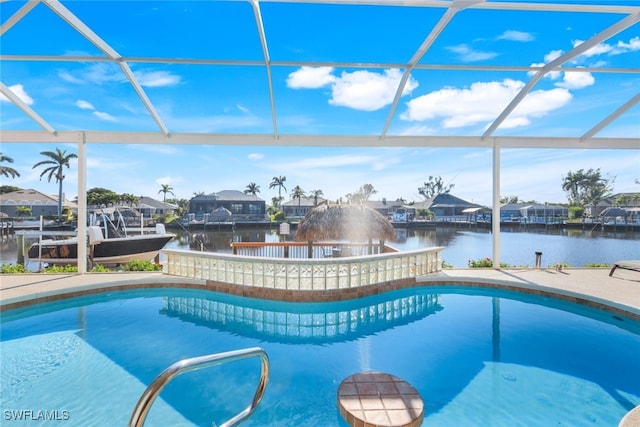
column 195, row 363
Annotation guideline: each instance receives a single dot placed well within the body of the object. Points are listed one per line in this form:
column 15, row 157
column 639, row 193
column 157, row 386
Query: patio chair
column 625, row 265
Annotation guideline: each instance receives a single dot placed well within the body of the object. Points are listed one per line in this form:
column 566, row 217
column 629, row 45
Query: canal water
column 571, row 247
column 574, row 248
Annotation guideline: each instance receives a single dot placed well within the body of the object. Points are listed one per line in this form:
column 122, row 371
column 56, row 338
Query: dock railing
column 308, row 250
column 302, row 274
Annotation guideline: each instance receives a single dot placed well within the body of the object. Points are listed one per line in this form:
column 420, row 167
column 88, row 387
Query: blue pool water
column 477, row 357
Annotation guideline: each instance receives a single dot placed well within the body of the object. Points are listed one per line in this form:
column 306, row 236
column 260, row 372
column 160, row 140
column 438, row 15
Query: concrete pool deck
column 590, row 286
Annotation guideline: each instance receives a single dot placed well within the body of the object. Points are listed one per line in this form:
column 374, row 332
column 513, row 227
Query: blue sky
column 319, row 99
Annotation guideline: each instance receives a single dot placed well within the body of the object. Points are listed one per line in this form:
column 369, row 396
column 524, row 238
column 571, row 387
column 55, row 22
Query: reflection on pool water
column 477, row 357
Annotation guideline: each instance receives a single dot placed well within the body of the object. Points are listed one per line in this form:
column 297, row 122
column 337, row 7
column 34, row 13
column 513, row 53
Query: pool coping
column 593, row 287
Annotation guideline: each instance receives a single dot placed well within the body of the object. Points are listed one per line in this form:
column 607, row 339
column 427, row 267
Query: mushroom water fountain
column 353, row 223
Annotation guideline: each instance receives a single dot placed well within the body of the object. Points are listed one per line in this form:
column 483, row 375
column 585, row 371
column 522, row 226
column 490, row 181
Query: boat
column 109, row 248
column 109, row 251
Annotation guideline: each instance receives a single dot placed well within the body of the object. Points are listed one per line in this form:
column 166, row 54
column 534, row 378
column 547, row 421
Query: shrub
column 137, row 265
column 13, row 269
column 61, row 269
column 484, row 263
column 99, row 268
column 480, row 263
column 576, row 212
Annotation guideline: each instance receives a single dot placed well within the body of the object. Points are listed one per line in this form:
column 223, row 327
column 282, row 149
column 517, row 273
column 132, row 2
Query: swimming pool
column 476, row 356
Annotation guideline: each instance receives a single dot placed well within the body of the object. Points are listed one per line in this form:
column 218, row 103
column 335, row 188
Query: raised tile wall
column 263, row 277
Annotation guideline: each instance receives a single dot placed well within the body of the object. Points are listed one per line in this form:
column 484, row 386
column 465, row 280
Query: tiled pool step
column 370, row 399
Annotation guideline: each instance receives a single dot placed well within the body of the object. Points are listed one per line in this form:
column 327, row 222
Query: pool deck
column 591, row 285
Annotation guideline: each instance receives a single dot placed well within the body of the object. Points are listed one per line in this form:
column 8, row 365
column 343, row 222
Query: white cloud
column 156, row 78
column 570, row 80
column 104, row 116
column 482, row 102
column 598, row 49
column 84, row 105
column 576, row 80
column 622, row 47
column 18, row 90
column 466, row 54
column 243, row 109
column 367, row 91
column 518, row 36
column 168, row 180
column 616, row 49
column 310, row 78
column 463, row 107
column 102, row 73
column 537, row 104
column 553, row 75
column 66, row 76
column 255, row 156
column 599, row 64
column 418, row 129
column 361, row 90
column 554, row 54
column 385, row 162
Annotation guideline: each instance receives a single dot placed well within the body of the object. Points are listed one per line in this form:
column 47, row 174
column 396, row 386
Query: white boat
column 110, row 248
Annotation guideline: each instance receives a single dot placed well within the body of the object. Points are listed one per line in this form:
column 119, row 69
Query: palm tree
column 55, row 162
column 129, row 199
column 596, row 193
column 297, row 193
column 252, row 189
column 166, row 189
column 278, row 181
column 315, row 194
column 5, row 170
column 572, row 184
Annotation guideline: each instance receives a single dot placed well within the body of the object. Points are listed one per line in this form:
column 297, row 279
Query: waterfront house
column 627, row 201
column 395, row 210
column 447, row 207
column 510, row 212
column 243, row 207
column 620, row 216
column 149, row 207
column 296, row 209
column 533, row 213
column 39, row 204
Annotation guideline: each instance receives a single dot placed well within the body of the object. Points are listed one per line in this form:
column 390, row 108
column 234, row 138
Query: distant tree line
column 101, row 197
column 583, row 188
